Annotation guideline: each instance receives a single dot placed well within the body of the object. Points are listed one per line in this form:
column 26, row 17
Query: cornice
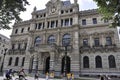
column 89, row 12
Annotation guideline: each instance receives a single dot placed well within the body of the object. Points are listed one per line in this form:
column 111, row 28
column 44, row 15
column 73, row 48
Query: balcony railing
column 16, row 51
column 100, row 48
column 111, row 47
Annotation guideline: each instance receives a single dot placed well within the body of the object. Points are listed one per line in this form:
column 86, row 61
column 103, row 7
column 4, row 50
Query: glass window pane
column 66, row 22
column 85, row 42
column 108, row 41
column 96, row 42
column 51, row 39
column 94, row 20
column 66, row 40
column 98, row 62
column 112, row 63
column 37, row 41
column 86, row 62
column 84, row 22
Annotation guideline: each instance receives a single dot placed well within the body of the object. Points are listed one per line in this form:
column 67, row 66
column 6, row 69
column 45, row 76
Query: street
column 82, row 78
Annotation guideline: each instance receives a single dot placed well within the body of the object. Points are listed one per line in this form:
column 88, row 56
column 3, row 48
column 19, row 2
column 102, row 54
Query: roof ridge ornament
column 75, row 1
column 34, row 9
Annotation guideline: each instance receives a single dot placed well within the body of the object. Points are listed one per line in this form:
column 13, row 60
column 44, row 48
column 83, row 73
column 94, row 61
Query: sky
column 40, row 4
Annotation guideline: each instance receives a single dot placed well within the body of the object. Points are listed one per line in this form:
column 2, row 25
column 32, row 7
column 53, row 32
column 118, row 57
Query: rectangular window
column 71, row 21
column 36, row 26
column 28, row 28
column 52, row 24
column 66, row 22
column 48, row 24
column 39, row 26
column 13, row 46
column 25, row 46
column 56, row 23
column 23, row 61
column 96, row 42
column 19, row 46
column 62, row 11
column 16, row 31
column 71, row 10
column 85, row 42
column 108, row 41
column 43, row 25
column 62, row 22
column 22, row 30
column 84, row 22
column 94, row 20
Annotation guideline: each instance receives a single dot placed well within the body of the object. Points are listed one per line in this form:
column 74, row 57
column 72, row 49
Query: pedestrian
column 47, row 76
column 71, row 76
column 101, row 77
column 36, row 76
column 22, row 74
column 8, row 74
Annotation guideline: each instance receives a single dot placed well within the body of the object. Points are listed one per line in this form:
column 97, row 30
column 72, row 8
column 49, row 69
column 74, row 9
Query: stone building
column 62, row 39
column 4, row 47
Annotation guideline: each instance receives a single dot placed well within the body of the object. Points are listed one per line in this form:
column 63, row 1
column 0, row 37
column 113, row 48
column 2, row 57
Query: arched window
column 16, row 61
column 51, row 39
column 86, row 62
column 37, row 41
column 23, row 60
column 66, row 40
column 10, row 61
column 98, row 62
column 112, row 63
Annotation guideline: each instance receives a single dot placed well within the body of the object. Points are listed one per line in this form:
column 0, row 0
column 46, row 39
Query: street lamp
column 65, row 44
column 65, row 61
column 1, row 70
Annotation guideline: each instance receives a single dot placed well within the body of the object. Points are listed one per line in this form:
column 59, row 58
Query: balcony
column 98, row 48
column 85, row 49
column 16, row 51
column 42, row 47
column 111, row 47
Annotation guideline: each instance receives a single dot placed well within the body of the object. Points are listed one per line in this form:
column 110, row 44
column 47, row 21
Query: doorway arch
column 68, row 62
column 47, row 64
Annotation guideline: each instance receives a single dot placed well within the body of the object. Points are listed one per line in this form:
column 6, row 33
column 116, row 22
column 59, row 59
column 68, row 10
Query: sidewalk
column 32, row 78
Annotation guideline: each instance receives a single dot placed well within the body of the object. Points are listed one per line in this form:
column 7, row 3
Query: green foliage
column 110, row 10
column 10, row 10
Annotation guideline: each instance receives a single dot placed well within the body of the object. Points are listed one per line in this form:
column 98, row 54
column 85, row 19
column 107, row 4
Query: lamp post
column 37, row 64
column 65, row 61
column 1, row 70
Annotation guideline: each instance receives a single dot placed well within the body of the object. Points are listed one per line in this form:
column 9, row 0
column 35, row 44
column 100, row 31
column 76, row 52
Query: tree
column 110, row 10
column 10, row 10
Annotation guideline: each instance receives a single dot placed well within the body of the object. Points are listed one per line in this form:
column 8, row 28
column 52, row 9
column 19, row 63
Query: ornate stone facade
column 42, row 43
column 4, row 47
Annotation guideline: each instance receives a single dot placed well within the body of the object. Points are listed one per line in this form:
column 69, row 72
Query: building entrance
column 47, row 65
column 67, row 68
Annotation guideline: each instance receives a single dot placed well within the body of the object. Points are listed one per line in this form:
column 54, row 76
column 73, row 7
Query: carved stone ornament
column 53, row 9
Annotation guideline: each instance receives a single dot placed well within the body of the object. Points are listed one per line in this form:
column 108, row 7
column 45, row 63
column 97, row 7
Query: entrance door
column 67, row 65
column 47, row 65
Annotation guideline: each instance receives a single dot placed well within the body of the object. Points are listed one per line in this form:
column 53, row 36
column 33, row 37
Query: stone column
column 75, row 62
column 69, row 22
column 52, row 61
column 91, row 41
column 103, row 40
column 35, row 62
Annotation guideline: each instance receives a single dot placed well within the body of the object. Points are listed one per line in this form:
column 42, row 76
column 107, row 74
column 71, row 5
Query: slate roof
column 66, row 3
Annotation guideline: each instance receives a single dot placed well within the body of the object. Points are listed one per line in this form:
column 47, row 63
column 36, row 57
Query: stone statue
column 75, row 1
column 35, row 8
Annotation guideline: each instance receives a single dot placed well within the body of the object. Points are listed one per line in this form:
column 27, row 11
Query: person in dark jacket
column 8, row 73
